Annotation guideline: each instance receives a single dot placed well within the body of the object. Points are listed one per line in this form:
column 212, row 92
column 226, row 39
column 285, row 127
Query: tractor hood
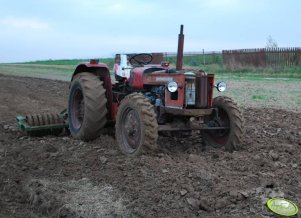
column 137, row 74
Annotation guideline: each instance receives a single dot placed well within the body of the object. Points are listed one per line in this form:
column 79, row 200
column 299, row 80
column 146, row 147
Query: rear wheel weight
column 86, row 107
column 229, row 115
column 136, row 125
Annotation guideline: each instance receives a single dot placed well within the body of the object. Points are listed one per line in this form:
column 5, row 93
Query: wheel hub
column 217, row 122
column 78, row 109
column 131, row 129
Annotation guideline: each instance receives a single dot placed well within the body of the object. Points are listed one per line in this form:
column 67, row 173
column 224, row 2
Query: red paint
column 107, row 84
column 94, row 61
column 114, row 110
column 210, row 89
column 164, row 79
column 222, row 140
column 179, row 102
column 87, row 67
column 138, row 75
column 136, row 78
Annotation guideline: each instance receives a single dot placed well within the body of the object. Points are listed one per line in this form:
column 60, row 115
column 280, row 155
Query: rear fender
column 96, row 69
column 103, row 72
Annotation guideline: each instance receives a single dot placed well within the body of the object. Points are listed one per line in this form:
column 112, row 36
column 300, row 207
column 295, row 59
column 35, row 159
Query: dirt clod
column 274, row 155
column 183, row 192
column 193, row 202
column 205, row 205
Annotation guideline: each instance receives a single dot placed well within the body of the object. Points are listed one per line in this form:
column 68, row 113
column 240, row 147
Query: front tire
column 86, row 107
column 136, row 125
column 229, row 115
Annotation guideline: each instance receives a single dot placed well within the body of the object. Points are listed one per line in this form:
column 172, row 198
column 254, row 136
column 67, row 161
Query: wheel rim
column 130, row 130
column 77, row 114
column 220, row 137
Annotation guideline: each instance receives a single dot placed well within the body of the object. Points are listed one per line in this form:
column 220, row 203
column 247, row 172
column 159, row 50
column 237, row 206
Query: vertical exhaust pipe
column 180, row 50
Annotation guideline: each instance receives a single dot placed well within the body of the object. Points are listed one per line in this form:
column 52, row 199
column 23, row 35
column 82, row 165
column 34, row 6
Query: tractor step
column 43, row 124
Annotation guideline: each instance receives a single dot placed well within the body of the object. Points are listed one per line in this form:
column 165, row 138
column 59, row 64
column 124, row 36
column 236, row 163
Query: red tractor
column 154, row 98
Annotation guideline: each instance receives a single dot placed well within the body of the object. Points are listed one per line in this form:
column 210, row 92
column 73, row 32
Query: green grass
column 259, row 97
column 214, row 64
column 261, row 73
column 36, row 71
column 71, row 62
column 292, row 72
column 65, row 68
column 54, row 69
column 198, row 60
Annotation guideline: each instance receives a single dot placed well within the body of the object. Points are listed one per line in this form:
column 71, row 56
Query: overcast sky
column 66, row 29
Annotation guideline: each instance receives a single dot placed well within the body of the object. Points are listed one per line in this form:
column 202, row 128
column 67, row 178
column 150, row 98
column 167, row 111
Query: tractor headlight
column 172, row 86
column 221, row 86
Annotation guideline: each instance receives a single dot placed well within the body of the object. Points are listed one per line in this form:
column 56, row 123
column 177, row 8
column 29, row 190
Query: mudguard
column 96, row 68
column 101, row 70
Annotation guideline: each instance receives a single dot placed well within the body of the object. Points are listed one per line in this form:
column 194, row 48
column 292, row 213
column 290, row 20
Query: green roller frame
column 23, row 125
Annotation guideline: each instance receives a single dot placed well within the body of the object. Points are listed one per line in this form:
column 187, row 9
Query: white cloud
column 23, row 23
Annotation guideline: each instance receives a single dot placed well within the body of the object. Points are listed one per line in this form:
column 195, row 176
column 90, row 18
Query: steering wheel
column 141, row 59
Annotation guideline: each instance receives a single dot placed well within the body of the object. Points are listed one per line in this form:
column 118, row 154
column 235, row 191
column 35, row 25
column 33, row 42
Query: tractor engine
column 156, row 95
column 198, row 90
column 178, row 90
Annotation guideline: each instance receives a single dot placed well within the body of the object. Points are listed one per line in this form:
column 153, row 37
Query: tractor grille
column 201, row 97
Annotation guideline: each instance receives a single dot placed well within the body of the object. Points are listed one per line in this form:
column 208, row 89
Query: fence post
column 204, row 57
column 298, row 56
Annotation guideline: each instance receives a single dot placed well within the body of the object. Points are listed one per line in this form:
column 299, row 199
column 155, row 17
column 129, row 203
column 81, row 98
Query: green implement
column 43, row 124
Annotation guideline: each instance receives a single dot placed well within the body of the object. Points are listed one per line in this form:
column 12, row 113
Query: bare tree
column 271, row 43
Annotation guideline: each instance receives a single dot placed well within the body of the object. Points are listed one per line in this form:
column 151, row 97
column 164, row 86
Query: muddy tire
column 229, row 115
column 86, row 107
column 136, row 125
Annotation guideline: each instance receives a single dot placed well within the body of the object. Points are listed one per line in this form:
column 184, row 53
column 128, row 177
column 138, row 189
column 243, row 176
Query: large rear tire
column 229, row 115
column 86, row 107
column 136, row 125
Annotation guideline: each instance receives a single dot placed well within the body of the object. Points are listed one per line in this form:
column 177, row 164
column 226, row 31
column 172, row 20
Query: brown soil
column 62, row 177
